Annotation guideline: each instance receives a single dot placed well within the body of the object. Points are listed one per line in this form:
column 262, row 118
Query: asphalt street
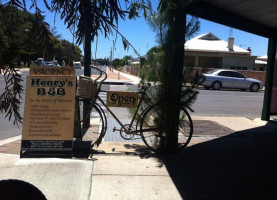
column 229, row 103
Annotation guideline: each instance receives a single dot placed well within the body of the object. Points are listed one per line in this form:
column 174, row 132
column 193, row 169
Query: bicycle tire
column 98, row 121
column 144, row 109
column 104, row 126
column 156, row 124
column 139, row 120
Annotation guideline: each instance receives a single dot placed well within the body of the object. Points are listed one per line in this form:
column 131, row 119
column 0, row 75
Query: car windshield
column 211, row 72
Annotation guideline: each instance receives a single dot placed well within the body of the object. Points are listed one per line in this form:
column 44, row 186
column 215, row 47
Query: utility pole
column 111, row 61
column 96, row 50
column 113, row 49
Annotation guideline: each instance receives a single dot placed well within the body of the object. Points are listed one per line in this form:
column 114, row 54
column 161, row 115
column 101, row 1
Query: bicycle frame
column 127, row 130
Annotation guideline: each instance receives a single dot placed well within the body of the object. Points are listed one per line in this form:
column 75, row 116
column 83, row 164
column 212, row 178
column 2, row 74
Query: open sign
column 122, row 99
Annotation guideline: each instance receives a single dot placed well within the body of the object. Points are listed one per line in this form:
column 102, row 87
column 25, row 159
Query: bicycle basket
column 86, row 87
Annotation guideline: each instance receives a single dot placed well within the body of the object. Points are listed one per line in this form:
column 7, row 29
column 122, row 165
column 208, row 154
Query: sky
column 140, row 35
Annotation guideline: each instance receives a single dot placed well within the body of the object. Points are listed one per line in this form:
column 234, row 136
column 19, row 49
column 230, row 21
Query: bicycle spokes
column 158, row 127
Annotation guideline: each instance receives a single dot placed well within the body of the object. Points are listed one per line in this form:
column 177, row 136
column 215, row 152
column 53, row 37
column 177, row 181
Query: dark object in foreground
column 17, row 189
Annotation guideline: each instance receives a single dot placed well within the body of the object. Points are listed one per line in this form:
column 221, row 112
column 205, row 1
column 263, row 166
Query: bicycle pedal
column 114, row 129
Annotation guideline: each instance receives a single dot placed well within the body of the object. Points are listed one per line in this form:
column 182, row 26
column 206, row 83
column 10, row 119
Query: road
column 209, row 103
column 229, row 103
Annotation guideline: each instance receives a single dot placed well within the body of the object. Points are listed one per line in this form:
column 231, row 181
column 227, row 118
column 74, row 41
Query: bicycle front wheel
column 97, row 122
column 166, row 128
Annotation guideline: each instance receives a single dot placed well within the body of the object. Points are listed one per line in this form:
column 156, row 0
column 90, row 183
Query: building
column 261, row 63
column 209, row 51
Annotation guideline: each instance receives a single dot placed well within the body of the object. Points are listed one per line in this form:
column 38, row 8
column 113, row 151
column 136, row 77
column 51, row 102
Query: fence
column 134, row 70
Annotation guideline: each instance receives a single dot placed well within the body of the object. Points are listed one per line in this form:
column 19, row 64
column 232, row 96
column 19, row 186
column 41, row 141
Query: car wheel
column 216, row 85
column 254, row 87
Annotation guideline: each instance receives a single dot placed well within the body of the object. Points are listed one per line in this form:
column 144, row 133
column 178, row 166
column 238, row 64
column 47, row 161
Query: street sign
column 49, row 110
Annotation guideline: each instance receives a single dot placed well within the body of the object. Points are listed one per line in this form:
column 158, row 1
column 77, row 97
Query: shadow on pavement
column 242, row 167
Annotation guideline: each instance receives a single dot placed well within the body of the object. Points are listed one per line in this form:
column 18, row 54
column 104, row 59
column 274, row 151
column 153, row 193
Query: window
column 211, row 72
column 224, row 73
column 237, row 75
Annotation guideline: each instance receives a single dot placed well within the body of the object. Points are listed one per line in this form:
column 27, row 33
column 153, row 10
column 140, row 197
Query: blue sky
column 143, row 38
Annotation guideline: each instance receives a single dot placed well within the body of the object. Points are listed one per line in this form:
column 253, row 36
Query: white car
column 222, row 78
column 77, row 65
column 39, row 62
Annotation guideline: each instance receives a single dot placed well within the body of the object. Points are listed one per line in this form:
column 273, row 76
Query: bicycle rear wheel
column 161, row 123
column 97, row 121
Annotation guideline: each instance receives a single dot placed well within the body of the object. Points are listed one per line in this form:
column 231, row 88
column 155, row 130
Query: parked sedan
column 222, row 78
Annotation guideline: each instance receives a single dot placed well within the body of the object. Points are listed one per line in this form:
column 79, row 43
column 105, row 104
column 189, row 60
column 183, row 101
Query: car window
column 211, row 72
column 237, row 75
column 224, row 73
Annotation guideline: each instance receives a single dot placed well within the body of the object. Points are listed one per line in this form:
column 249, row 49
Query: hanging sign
column 49, row 110
column 122, row 99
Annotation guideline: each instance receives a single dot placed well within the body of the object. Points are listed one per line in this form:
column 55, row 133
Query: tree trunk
column 87, row 63
column 173, row 84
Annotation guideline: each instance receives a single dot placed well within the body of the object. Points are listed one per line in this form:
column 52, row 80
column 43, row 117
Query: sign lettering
column 122, row 99
column 52, row 71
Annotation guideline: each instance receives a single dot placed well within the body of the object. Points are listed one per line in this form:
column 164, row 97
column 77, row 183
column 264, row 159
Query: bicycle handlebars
column 101, row 74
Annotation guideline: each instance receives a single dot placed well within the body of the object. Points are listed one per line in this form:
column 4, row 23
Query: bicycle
column 152, row 124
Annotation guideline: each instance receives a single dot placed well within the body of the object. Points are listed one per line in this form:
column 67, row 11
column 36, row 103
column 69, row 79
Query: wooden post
column 272, row 42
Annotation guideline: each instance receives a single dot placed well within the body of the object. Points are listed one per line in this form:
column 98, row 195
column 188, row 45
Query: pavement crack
column 91, row 179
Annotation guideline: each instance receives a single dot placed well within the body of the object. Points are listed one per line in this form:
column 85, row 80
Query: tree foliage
column 102, row 61
column 124, row 61
column 15, row 34
column 25, row 37
column 68, row 52
column 89, row 16
column 150, row 70
column 116, row 63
